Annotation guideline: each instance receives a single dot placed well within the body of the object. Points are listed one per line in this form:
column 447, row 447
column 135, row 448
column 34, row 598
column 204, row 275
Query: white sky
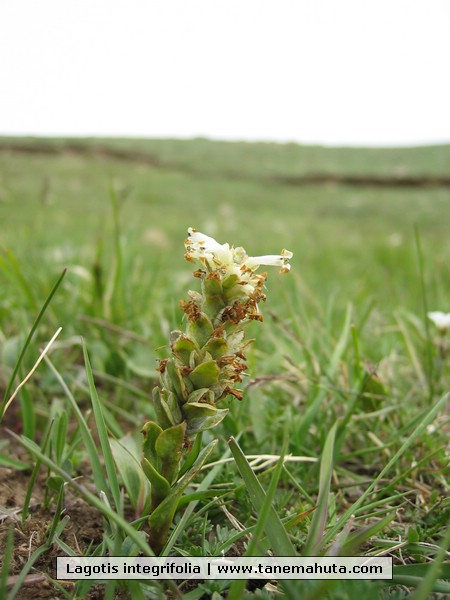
column 370, row 72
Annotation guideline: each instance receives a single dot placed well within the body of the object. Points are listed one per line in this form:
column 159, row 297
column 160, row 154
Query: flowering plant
column 206, row 362
column 440, row 319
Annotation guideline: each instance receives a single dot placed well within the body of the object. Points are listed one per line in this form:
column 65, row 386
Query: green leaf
column 160, row 486
column 425, row 420
column 183, row 348
column 217, row 347
column 313, row 544
column 357, row 539
column 27, row 407
column 151, row 431
column 421, row 569
column 97, row 469
column 200, row 330
column 161, row 518
column 332, row 367
column 202, row 424
column 439, row 586
column 230, row 281
column 212, row 285
column 130, row 470
column 173, row 381
column 27, row 343
column 161, row 409
column 213, row 305
column 202, row 394
column 205, row 375
column 429, row 580
column 174, row 408
column 197, row 409
column 91, row 498
column 169, row 446
column 13, row 463
column 103, row 435
column 238, row 585
column 193, row 454
column 279, row 539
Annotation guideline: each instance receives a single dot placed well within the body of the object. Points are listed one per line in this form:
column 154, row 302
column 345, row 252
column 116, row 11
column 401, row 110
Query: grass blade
column 279, row 539
column 204, row 485
column 423, row 424
column 238, row 585
column 427, row 584
column 314, row 541
column 334, row 363
column 27, row 343
column 97, row 469
column 109, row 514
column 102, row 434
column 423, row 289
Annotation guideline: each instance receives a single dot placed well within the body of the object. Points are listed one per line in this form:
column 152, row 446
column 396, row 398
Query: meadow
column 346, row 381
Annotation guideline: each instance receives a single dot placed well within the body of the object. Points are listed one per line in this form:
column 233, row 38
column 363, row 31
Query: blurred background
column 320, row 127
column 324, row 72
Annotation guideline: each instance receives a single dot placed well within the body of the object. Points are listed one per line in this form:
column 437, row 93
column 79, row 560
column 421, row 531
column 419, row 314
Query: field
column 347, row 377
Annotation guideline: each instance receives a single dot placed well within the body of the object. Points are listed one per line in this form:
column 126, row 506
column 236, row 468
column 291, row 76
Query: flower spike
column 207, row 361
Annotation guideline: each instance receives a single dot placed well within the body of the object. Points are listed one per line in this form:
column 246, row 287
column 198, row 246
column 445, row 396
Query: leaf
column 161, row 518
column 421, row 569
column 102, row 434
column 205, row 375
column 169, row 446
column 279, row 539
column 230, row 281
column 151, row 431
column 332, row 367
column 213, row 305
column 193, row 454
column 201, row 416
column 216, row 347
column 202, row 394
column 173, row 408
column 130, row 470
column 314, row 541
column 97, row 469
column 13, row 463
column 91, row 498
column 429, row 580
column 357, row 539
column 173, row 381
column 182, row 349
column 160, row 486
column 238, row 585
column 200, row 330
column 212, row 285
column 424, row 421
column 27, row 343
column 161, row 409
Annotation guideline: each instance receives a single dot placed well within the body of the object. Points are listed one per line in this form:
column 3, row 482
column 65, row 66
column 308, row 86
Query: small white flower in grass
column 201, row 246
column 271, row 260
column 204, row 248
column 440, row 319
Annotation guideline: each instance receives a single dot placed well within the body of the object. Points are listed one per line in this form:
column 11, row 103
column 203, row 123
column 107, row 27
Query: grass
column 347, row 379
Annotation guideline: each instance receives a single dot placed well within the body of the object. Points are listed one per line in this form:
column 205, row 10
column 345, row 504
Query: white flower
column 201, row 246
column 271, row 260
column 440, row 319
column 206, row 249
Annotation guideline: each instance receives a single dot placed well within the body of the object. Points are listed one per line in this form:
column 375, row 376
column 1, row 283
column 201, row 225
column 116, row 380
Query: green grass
column 367, row 262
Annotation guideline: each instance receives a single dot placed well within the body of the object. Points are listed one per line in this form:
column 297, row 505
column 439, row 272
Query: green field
column 345, row 340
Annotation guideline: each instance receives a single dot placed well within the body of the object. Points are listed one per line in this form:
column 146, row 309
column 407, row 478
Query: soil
column 84, row 528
